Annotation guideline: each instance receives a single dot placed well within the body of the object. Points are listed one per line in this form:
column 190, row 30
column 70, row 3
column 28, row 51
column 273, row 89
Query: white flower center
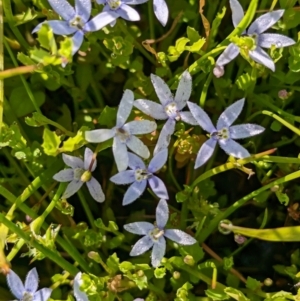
column 122, row 134
column 114, row 4
column 156, row 233
column 78, row 172
column 27, row 296
column 221, row 134
column 77, row 23
column 172, row 110
column 142, row 174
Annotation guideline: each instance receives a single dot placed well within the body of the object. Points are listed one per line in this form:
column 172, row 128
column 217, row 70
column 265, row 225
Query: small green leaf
column 228, row 263
column 51, row 143
column 216, row 294
column 252, row 283
column 192, row 34
column 276, row 126
column 235, row 294
column 160, row 273
column 108, row 117
column 74, row 143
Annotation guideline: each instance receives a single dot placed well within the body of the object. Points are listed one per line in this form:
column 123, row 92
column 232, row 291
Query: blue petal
column 180, row 237
column 233, row 148
column 72, row 161
column 151, row 108
column 135, row 162
column 134, row 2
column 162, row 214
column 83, row 9
column 95, row 190
column 58, row 27
column 158, row 161
column 140, row 127
column 165, row 136
column 141, row 246
column 120, row 154
column 158, row 251
column 65, row 175
column 15, row 284
column 78, row 293
column 100, row 21
column 63, row 8
column 125, row 107
column 158, row 187
column 72, row 188
column 161, row 11
column 260, row 56
column 237, row 12
column 266, row 40
column 77, row 40
column 162, row 90
column 140, row 228
column 88, row 157
column 188, row 118
column 245, row 130
column 230, row 114
column 124, row 177
column 201, row 117
column 98, row 136
column 128, row 13
column 229, row 54
column 133, row 192
column 184, row 90
column 265, row 21
column 205, row 152
column 137, row 146
column 103, row 2
column 42, row 295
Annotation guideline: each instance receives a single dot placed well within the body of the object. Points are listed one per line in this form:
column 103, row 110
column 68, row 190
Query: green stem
column 151, row 20
column 215, row 222
column 1, row 66
column 140, row 48
column 63, row 242
column 204, row 90
column 11, row 22
column 27, row 88
column 86, row 209
column 48, row 253
column 170, row 158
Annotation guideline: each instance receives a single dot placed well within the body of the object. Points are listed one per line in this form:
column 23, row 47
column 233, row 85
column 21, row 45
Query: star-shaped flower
column 161, row 11
column 78, row 293
column 76, row 20
column 80, row 173
column 224, row 133
column 154, row 235
column 123, row 134
column 122, row 9
column 170, row 107
column 256, row 31
column 27, row 292
column 139, row 175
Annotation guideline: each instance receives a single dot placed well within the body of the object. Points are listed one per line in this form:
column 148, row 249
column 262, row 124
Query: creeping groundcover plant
column 127, row 153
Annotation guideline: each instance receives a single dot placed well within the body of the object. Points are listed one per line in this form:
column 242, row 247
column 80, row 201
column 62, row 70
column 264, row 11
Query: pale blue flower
column 80, row 173
column 78, row 293
column 122, row 9
column 139, row 175
column 256, row 31
column 224, row 133
column 154, row 235
column 170, row 107
column 124, row 134
column 28, row 291
column 161, row 11
column 76, row 20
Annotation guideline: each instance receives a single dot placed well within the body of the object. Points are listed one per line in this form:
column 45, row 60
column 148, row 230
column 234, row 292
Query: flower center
column 122, row 134
column 78, row 172
column 156, row 233
column 142, row 174
column 86, row 176
column 221, row 134
column 27, row 296
column 172, row 111
column 114, row 4
column 77, row 23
